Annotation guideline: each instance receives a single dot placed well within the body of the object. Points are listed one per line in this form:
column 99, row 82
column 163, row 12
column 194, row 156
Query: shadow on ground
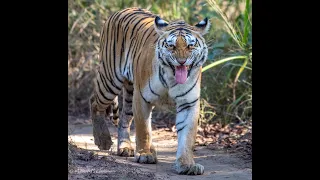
column 106, row 165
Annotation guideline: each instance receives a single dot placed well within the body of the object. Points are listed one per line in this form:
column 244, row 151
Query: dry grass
column 226, row 91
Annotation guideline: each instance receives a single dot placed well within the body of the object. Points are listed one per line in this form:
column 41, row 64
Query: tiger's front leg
column 145, row 151
column 186, row 125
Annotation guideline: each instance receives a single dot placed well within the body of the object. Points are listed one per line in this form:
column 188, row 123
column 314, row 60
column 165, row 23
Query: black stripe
column 115, row 110
column 108, row 68
column 201, row 60
column 162, row 80
column 122, row 48
column 106, row 85
column 123, row 41
column 185, row 108
column 129, row 92
column 152, row 90
column 102, row 92
column 197, row 42
column 132, row 14
column 191, row 66
column 129, row 71
column 165, row 62
column 181, row 128
column 114, row 54
column 131, row 40
column 162, row 43
column 188, row 103
column 174, row 85
column 99, row 101
column 187, row 35
column 180, row 123
column 128, row 101
column 144, row 25
column 156, row 39
column 137, row 58
column 136, row 46
column 183, row 29
column 172, row 32
column 129, row 113
column 172, row 67
column 103, row 80
column 134, row 27
column 144, row 98
column 189, row 89
column 108, row 55
column 127, row 75
column 127, row 56
column 130, row 21
column 121, row 54
column 146, row 36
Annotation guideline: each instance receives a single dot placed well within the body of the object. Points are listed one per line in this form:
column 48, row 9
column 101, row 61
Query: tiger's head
column 181, row 46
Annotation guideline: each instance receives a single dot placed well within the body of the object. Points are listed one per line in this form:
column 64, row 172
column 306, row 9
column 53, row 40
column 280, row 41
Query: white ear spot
column 160, row 25
column 202, row 22
column 203, row 26
column 161, row 21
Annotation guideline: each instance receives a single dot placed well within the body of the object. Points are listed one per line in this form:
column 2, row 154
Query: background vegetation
column 226, row 81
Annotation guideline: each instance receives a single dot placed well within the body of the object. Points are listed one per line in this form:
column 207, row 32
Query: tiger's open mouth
column 181, row 74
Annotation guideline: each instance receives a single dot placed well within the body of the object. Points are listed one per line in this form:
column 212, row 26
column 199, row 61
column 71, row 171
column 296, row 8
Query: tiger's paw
column 146, row 157
column 190, row 169
column 125, row 149
column 103, row 142
column 101, row 133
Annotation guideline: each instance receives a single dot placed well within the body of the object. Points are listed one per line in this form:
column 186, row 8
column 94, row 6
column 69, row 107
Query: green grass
column 226, row 88
column 234, row 102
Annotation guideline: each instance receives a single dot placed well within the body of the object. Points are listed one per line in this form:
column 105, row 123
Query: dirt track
column 219, row 165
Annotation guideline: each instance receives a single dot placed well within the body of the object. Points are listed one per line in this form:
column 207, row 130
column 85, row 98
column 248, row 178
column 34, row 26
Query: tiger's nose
column 181, row 60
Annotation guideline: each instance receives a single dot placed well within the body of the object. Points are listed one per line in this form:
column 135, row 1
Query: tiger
column 153, row 62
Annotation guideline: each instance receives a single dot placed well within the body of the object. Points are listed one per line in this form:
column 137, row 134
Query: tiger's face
column 181, row 47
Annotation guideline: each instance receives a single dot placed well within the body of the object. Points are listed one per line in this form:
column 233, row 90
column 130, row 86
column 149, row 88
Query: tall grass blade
column 222, row 61
column 237, row 77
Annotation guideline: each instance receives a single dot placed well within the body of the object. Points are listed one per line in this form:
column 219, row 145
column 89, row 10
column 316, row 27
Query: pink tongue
column 181, row 74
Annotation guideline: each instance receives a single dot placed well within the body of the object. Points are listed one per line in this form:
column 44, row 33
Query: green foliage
column 233, row 96
column 226, row 81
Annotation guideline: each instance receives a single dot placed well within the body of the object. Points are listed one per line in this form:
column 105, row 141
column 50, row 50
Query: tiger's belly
column 164, row 102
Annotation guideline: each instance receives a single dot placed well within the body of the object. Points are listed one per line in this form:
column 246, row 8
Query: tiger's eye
column 172, row 47
column 190, row 47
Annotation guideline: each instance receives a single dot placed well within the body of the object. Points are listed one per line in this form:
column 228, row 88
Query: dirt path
column 218, row 165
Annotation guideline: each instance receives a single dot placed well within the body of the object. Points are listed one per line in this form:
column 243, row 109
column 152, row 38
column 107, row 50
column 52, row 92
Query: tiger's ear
column 160, row 25
column 203, row 26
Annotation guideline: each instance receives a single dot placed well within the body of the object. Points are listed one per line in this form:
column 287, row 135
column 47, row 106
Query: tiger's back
column 128, row 37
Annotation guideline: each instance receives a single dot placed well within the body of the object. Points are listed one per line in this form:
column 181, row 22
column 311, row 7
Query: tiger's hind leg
column 101, row 133
column 114, row 115
column 124, row 142
column 103, row 103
